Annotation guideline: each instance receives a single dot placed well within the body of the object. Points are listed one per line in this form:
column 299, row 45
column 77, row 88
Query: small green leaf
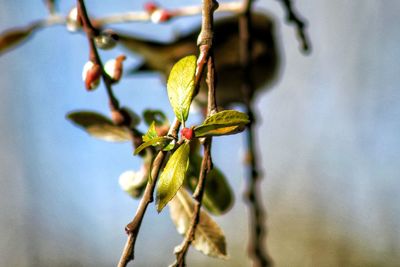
column 209, row 238
column 173, row 175
column 151, row 133
column 222, row 123
column 99, row 126
column 180, row 86
column 157, row 141
column 151, row 138
column 218, row 197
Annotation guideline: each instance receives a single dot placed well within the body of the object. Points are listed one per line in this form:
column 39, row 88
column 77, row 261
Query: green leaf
column 157, row 141
column 180, row 86
column 173, row 175
column 151, row 138
column 209, row 238
column 222, row 123
column 218, row 197
column 155, row 115
column 151, row 133
column 99, row 126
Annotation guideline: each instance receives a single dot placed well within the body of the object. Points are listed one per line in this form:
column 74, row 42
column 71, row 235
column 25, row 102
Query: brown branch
column 205, row 43
column 299, row 23
column 133, row 227
column 256, row 246
column 91, row 33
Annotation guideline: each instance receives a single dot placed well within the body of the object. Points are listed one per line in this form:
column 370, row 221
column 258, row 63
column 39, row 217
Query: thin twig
column 133, row 227
column 143, row 16
column 256, row 246
column 205, row 43
column 91, row 33
column 138, row 16
column 300, row 24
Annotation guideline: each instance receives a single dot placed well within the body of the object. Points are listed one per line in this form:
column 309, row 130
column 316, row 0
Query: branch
column 133, row 227
column 299, row 23
column 256, row 246
column 205, row 43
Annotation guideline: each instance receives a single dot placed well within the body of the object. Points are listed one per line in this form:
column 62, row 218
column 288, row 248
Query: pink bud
column 91, row 75
column 150, row 7
column 159, row 16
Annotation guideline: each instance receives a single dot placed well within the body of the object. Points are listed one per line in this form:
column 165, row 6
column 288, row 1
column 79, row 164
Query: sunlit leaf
column 218, row 197
column 173, row 175
column 157, row 141
column 152, row 139
column 151, row 133
column 13, row 37
column 99, row 126
column 209, row 238
column 181, row 86
column 222, row 123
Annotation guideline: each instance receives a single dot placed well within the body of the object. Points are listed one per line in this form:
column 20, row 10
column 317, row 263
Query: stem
column 256, row 246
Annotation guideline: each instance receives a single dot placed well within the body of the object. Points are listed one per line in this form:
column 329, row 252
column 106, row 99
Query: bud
column 150, row 7
column 73, row 21
column 107, row 39
column 91, row 75
column 133, row 182
column 187, row 133
column 114, row 68
column 159, row 16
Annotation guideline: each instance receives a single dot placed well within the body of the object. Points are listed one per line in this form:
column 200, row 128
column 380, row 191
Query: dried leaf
column 13, row 37
column 180, row 86
column 99, row 126
column 222, row 123
column 173, row 175
column 218, row 197
column 209, row 238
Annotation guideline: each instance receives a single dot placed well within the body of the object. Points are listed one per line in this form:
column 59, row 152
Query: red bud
column 187, row 133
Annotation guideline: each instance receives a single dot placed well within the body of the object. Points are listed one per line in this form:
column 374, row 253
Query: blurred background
column 328, row 136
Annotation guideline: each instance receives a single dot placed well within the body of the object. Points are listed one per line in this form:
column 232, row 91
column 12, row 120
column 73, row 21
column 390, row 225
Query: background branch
column 300, row 24
column 257, row 228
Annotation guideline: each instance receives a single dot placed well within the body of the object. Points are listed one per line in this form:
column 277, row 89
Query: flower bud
column 187, row 133
column 159, row 16
column 73, row 21
column 150, row 7
column 91, row 75
column 133, row 182
column 114, row 68
column 107, row 39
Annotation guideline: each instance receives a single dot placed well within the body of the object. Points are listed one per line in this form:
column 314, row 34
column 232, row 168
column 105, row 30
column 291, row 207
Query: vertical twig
column 256, row 247
column 133, row 227
column 205, row 41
